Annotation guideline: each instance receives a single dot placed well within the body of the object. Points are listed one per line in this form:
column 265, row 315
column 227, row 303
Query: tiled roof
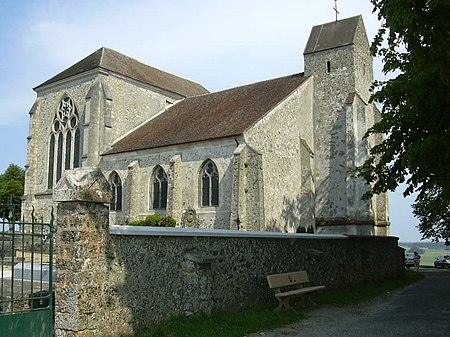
column 113, row 61
column 332, row 35
column 217, row 115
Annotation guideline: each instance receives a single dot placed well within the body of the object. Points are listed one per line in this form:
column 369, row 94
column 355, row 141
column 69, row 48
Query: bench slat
column 299, row 291
column 285, row 279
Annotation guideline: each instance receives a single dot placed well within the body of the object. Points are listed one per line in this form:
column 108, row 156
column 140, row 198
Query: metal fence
column 27, row 276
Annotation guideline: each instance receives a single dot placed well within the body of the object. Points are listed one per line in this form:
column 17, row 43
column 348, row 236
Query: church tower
column 337, row 56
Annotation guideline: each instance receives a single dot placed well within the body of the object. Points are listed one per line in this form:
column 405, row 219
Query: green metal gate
column 27, row 278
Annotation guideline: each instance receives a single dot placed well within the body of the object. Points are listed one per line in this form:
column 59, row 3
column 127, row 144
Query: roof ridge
column 118, row 63
column 102, row 56
column 300, row 74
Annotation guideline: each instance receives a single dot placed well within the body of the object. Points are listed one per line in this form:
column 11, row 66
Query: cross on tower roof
column 336, row 9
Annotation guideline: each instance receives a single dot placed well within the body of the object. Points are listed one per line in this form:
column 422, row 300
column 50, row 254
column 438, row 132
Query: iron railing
column 26, row 265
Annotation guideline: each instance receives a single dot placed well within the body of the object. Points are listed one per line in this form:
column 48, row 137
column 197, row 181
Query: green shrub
column 137, row 223
column 167, row 221
column 155, row 220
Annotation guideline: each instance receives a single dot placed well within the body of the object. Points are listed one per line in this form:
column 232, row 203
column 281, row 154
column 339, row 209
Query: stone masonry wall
column 82, row 263
column 134, row 277
column 278, row 136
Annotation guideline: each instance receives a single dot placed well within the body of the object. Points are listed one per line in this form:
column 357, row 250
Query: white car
column 442, row 261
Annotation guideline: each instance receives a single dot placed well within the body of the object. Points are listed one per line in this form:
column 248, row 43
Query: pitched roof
column 223, row 114
column 332, row 35
column 118, row 63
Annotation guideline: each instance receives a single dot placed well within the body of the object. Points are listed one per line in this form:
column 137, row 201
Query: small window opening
column 328, row 66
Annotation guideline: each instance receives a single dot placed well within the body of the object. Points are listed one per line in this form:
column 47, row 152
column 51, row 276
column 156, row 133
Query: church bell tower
column 337, row 56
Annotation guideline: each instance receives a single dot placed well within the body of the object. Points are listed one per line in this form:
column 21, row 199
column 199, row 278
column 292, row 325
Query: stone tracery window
column 64, row 142
column 159, row 188
column 116, row 188
column 210, row 184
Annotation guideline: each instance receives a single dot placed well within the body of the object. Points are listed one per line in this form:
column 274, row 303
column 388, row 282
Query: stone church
column 276, row 155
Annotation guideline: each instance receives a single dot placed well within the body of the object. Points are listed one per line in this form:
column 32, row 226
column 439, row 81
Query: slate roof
column 223, row 114
column 332, row 35
column 108, row 59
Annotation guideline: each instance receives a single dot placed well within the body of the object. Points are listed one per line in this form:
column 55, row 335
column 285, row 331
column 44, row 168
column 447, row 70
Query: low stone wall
column 154, row 273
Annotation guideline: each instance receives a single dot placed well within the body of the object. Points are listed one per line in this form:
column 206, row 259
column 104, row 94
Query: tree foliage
column 413, row 42
column 11, row 191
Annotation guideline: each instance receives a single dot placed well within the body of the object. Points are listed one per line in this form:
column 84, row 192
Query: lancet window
column 210, row 184
column 159, row 188
column 64, row 142
column 116, row 188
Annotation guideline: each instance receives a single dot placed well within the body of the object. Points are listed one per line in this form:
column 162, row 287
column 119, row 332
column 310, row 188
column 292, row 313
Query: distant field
column 429, row 255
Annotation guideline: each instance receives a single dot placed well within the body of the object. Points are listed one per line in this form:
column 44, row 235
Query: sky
column 219, row 44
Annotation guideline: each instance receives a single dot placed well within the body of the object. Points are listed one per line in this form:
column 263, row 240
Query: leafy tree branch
column 413, row 42
column 11, row 191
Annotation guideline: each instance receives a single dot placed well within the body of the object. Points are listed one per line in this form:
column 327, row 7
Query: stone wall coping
column 193, row 232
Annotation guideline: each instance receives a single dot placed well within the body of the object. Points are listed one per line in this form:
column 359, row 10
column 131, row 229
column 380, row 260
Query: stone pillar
column 175, row 190
column 97, row 122
column 197, row 294
column 81, row 254
column 132, row 196
column 247, row 200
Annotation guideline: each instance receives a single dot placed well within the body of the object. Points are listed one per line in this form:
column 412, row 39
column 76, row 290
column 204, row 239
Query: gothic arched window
column 116, row 188
column 159, row 179
column 64, row 142
column 210, row 184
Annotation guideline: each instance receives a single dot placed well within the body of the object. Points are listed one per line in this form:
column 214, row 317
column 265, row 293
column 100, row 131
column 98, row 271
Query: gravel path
column 323, row 321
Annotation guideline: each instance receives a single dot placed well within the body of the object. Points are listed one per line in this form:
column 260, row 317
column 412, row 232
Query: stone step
column 38, row 271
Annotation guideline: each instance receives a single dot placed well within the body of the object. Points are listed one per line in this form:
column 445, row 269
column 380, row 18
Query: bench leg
column 283, row 303
column 309, row 300
column 304, row 301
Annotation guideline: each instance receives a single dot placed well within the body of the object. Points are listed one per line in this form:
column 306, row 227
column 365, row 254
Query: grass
column 229, row 324
column 366, row 291
column 428, row 257
column 241, row 322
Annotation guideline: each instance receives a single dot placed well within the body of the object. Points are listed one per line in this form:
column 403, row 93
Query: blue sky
column 219, row 44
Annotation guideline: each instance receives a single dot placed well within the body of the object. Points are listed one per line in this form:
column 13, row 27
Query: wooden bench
column 296, row 280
